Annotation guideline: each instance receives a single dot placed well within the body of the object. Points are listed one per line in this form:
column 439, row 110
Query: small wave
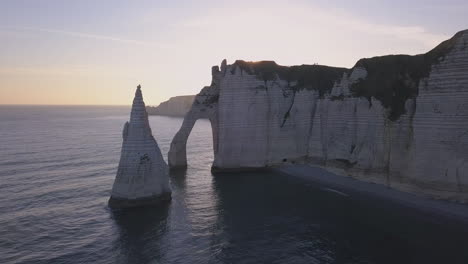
column 335, row 191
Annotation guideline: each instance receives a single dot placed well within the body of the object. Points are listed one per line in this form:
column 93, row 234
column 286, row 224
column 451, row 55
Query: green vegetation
column 310, row 77
column 394, row 79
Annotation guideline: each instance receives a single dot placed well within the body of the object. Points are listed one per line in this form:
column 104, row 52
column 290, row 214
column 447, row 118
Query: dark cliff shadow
column 296, row 221
column 274, row 213
column 142, row 231
column 178, row 177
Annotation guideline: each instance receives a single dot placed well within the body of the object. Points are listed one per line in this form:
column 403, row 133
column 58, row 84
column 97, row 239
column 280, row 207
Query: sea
column 58, row 163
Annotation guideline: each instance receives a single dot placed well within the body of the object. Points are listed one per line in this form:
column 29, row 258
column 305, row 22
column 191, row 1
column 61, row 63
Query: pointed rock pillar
column 142, row 177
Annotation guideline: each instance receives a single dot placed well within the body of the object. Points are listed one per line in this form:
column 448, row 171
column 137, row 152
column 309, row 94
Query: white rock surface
column 142, row 177
column 260, row 123
column 205, row 105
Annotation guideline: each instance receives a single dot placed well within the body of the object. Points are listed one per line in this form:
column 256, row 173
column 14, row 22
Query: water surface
column 57, row 166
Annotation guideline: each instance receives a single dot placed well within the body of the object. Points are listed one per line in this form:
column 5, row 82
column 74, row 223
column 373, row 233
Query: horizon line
column 67, row 105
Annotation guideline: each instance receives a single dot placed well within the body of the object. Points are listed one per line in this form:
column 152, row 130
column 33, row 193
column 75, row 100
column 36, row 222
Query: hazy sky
column 96, row 52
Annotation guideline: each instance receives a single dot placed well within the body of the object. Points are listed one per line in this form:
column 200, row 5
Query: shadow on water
column 293, row 221
column 268, row 211
column 142, row 233
column 178, row 177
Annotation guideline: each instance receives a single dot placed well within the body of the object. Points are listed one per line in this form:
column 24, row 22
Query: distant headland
column 176, row 106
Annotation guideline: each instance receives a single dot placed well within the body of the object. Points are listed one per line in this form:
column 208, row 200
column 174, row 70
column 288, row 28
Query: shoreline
column 439, row 211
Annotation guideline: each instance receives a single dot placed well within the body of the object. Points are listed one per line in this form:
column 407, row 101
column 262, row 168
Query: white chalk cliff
column 396, row 120
column 142, row 177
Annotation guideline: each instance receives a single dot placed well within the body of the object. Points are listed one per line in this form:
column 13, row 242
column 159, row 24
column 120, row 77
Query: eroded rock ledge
column 397, row 120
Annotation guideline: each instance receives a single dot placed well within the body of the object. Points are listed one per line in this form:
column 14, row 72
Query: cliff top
column 312, row 77
column 393, row 79
column 180, row 96
column 174, row 98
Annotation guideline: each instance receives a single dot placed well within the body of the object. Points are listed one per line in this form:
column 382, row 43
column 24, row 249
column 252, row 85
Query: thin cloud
column 307, row 18
column 65, row 70
column 85, row 35
column 68, row 70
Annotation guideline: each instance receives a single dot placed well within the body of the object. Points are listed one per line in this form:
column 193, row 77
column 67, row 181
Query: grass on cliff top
column 310, row 77
column 394, row 79
column 391, row 79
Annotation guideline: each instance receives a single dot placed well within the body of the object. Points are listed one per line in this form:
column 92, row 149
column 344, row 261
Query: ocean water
column 57, row 166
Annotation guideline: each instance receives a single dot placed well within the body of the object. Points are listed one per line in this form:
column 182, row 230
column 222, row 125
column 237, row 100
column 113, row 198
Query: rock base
column 120, row 203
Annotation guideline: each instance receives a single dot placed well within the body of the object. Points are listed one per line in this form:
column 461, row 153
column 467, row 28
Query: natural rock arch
column 385, row 120
column 205, row 105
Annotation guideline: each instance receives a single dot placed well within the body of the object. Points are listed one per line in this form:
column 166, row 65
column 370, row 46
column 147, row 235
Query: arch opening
column 200, row 133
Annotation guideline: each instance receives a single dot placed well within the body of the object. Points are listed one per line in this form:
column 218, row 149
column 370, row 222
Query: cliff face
column 176, row 106
column 396, row 120
column 142, row 177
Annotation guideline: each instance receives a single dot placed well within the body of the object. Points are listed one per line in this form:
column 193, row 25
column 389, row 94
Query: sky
column 90, row 52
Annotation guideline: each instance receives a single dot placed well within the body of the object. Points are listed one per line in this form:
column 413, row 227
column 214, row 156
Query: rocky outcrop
column 176, row 106
column 142, row 177
column 396, row 120
column 205, row 105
